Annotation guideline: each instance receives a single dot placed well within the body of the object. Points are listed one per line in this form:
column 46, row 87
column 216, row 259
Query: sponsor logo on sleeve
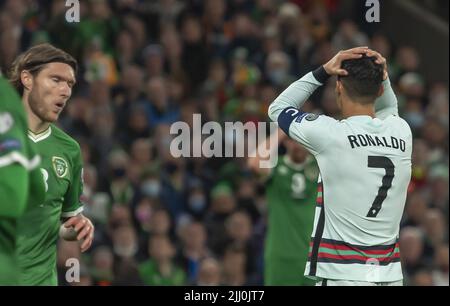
column 311, row 117
column 300, row 118
column 307, row 116
column 10, row 145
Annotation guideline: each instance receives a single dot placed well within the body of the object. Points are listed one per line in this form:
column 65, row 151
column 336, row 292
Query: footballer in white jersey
column 365, row 168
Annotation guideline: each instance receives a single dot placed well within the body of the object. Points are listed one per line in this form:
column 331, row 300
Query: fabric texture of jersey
column 15, row 149
column 39, row 227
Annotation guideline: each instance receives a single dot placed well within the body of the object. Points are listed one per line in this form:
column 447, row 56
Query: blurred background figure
column 209, row 273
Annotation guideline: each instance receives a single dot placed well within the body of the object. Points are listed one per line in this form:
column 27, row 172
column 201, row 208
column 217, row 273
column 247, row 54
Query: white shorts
column 330, row 282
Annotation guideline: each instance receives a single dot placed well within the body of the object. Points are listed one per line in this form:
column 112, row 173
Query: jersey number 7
column 388, row 165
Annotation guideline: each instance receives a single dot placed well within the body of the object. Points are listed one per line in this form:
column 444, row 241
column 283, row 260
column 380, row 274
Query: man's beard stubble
column 39, row 111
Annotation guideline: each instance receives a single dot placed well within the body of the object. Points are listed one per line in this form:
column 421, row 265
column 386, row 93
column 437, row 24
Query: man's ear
column 338, row 87
column 27, row 80
column 380, row 91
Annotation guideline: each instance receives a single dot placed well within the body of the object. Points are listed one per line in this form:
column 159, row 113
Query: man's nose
column 66, row 91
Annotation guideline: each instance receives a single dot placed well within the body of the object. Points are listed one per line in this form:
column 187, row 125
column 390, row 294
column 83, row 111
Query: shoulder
column 64, row 138
column 315, row 121
column 399, row 123
column 70, row 146
column 11, row 108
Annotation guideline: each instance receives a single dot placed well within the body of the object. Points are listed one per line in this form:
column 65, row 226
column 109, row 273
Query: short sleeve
column 72, row 205
column 311, row 130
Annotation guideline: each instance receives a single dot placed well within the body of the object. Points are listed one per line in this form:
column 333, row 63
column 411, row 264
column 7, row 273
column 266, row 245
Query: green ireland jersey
column 19, row 174
column 291, row 194
column 39, row 227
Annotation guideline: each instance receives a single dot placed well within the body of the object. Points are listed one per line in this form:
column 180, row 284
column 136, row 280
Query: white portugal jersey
column 365, row 167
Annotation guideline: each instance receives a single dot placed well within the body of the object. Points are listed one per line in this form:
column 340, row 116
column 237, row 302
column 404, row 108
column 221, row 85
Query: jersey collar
column 41, row 136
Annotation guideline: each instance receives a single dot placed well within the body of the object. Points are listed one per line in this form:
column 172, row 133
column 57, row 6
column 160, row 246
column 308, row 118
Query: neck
column 35, row 124
column 357, row 109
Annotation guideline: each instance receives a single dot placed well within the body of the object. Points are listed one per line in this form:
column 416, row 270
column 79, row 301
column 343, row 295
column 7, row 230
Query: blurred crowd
column 162, row 220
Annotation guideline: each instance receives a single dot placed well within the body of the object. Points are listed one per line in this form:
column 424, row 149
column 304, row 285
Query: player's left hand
column 380, row 60
column 85, row 229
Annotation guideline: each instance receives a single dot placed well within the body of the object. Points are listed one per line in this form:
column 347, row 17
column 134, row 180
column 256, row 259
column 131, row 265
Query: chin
column 51, row 118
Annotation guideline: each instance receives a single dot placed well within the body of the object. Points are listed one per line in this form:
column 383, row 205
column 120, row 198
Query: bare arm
column 387, row 103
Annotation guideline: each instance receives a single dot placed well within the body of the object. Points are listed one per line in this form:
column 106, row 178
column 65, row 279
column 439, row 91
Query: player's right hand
column 379, row 60
column 333, row 67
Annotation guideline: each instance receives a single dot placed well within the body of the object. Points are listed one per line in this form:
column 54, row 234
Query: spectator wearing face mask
column 150, row 185
column 197, row 203
column 120, row 187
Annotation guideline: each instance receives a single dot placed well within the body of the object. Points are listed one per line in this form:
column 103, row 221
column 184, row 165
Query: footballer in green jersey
column 291, row 190
column 19, row 176
column 45, row 75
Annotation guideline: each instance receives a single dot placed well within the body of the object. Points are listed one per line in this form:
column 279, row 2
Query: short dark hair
column 35, row 59
column 363, row 80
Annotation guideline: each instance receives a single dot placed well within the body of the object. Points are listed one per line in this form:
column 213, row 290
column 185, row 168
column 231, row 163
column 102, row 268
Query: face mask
column 197, row 203
column 143, row 215
column 151, row 188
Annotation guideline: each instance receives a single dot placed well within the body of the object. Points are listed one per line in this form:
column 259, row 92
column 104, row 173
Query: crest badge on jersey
column 311, row 117
column 60, row 166
column 6, row 122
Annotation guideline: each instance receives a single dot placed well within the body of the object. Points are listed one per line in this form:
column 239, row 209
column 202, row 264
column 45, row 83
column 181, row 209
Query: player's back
column 365, row 166
column 365, row 170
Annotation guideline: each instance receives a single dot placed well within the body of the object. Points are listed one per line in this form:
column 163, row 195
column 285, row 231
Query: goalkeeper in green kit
column 291, row 190
column 19, row 177
column 45, row 76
